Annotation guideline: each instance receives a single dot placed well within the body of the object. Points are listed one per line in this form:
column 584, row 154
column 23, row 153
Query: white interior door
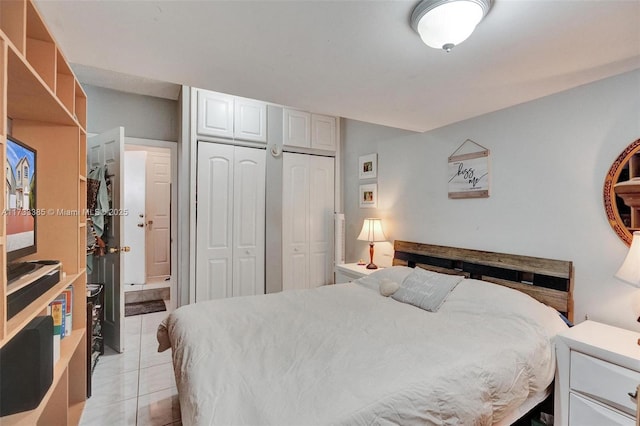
column 158, row 207
column 295, row 221
column 214, row 219
column 108, row 149
column 134, row 223
column 321, row 223
column 248, row 221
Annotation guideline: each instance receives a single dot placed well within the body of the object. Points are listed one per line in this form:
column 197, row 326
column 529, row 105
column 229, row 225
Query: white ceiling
column 355, row 59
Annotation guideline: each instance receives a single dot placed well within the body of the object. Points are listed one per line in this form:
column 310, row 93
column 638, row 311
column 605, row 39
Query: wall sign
column 469, row 171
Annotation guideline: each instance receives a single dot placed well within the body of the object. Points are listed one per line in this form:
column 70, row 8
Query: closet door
column 215, row 114
column 248, row 221
column 296, row 128
column 321, row 209
column 295, row 221
column 250, row 120
column 214, row 242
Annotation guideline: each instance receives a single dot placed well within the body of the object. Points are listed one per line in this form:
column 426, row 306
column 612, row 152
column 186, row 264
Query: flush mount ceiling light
column 443, row 24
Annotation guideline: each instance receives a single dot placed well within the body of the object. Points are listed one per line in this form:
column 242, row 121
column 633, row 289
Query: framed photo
column 368, row 166
column 369, row 196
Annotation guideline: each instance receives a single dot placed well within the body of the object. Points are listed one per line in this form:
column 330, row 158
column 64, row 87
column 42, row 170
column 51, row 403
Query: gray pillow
column 394, row 273
column 425, row 289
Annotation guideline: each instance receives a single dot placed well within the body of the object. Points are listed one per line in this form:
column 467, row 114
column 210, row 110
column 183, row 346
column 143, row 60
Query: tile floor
column 137, row 387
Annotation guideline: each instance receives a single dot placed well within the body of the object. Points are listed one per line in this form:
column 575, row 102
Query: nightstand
column 348, row 272
column 598, row 372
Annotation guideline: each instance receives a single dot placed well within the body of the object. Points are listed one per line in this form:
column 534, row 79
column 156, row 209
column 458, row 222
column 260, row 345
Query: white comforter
column 344, row 354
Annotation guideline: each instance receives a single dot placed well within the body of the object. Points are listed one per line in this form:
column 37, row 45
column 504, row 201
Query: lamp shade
column 443, row 24
column 372, row 231
column 630, row 269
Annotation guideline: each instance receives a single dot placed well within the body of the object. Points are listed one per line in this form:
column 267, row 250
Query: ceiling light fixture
column 443, row 24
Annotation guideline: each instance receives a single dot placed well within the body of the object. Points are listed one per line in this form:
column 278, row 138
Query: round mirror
column 622, row 192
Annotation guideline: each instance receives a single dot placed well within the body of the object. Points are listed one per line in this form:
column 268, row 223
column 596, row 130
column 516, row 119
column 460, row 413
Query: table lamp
column 630, row 269
column 372, row 232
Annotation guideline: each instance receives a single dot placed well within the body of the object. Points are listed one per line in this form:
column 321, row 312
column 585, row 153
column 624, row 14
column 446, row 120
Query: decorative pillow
column 425, row 289
column 394, row 273
column 388, row 287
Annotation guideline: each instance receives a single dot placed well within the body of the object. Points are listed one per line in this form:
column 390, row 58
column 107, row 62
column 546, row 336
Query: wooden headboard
column 547, row 280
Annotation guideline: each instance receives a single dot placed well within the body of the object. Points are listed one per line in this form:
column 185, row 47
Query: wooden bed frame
column 546, row 280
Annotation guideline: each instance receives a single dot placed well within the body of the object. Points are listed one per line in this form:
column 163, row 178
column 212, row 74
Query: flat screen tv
column 20, row 199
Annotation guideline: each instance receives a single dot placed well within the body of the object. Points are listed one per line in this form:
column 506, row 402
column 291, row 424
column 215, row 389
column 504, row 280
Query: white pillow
column 484, row 298
column 395, row 273
column 426, row 289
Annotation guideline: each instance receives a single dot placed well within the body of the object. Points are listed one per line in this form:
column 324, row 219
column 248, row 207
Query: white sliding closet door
column 307, row 237
column 321, row 221
column 295, row 221
column 248, row 221
column 229, row 221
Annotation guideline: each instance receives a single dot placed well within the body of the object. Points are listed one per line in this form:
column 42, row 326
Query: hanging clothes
column 98, row 198
column 97, row 210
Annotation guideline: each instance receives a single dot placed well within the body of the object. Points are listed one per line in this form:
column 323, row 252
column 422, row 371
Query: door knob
column 114, row 250
column 141, row 225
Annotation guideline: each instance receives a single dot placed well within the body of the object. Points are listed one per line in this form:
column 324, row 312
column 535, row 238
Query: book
column 68, row 318
column 56, row 310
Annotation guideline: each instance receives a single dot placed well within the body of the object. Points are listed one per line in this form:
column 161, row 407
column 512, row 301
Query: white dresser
column 598, row 373
column 348, row 272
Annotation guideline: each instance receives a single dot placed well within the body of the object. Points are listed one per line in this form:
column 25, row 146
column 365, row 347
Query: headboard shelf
column 548, row 280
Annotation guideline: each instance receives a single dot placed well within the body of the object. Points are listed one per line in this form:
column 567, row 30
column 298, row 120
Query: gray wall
column 549, row 158
column 141, row 116
column 273, row 207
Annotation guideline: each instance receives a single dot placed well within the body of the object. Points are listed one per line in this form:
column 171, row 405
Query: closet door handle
column 633, row 395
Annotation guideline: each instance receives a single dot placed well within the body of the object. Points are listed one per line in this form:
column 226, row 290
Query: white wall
column 549, row 158
column 141, row 116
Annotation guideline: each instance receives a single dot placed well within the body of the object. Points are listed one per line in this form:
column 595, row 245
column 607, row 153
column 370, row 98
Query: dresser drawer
column 604, row 382
column 341, row 277
column 583, row 412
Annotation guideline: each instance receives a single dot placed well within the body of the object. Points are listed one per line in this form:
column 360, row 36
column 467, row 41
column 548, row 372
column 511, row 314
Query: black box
column 20, row 299
column 26, row 367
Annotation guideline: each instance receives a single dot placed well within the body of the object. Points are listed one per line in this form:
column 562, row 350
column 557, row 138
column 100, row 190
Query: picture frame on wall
column 368, row 166
column 469, row 171
column 369, row 196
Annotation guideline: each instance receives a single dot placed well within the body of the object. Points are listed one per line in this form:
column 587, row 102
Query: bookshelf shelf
column 43, row 105
column 68, row 347
column 22, row 318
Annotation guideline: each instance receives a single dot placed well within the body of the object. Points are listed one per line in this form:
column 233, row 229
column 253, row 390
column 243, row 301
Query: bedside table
column 598, row 372
column 348, row 272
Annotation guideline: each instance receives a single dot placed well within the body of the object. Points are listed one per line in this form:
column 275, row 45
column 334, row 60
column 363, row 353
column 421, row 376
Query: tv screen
column 20, row 200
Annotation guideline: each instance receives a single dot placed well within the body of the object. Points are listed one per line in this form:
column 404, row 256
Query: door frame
column 174, row 284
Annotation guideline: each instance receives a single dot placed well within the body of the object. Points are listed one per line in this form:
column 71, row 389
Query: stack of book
column 61, row 309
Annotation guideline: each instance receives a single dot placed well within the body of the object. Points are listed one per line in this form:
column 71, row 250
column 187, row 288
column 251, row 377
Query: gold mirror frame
column 609, row 194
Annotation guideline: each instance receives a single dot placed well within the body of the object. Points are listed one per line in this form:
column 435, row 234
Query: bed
column 346, row 354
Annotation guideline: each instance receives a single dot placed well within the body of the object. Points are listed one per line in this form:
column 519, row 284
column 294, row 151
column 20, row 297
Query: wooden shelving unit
column 43, row 105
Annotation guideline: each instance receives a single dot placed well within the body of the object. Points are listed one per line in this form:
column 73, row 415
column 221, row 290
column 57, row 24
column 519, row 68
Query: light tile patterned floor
column 137, row 387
